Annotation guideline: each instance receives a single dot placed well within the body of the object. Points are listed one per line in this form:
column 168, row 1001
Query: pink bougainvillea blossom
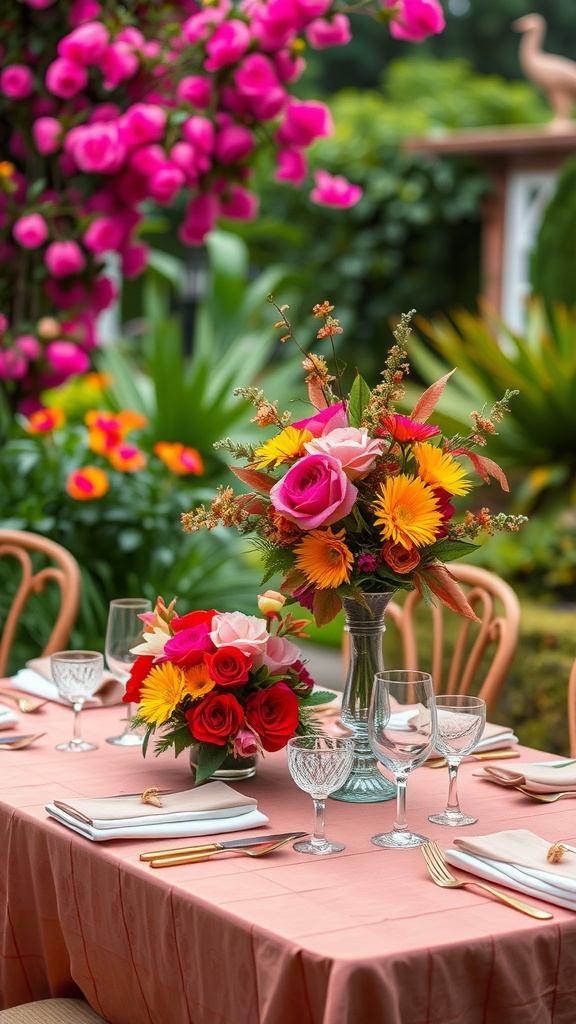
column 334, row 190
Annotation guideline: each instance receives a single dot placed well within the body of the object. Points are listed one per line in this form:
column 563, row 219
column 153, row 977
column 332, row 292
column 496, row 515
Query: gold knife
column 487, row 755
column 229, row 844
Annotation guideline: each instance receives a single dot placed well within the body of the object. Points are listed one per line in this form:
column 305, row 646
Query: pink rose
column 47, row 133
column 118, row 64
column 416, row 19
column 166, row 182
column 323, row 422
column 29, row 346
column 255, row 76
column 83, row 10
column 103, row 235
column 353, row 448
column 142, row 123
column 303, row 122
column 280, row 653
column 194, row 89
column 234, row 142
column 16, row 81
column 134, row 256
column 246, row 632
column 240, row 204
column 188, row 646
column 64, row 258
column 85, row 44
column 66, row 358
column 335, row 31
column 246, row 744
column 30, row 231
column 315, row 492
column 334, row 190
column 65, row 79
column 229, row 42
column 199, row 132
column 96, row 147
column 13, row 364
column 201, row 216
column 291, row 165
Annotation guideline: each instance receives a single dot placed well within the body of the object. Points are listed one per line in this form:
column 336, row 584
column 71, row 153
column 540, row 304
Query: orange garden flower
column 126, row 458
column 355, row 497
column 87, row 483
column 108, row 430
column 178, row 458
column 43, row 421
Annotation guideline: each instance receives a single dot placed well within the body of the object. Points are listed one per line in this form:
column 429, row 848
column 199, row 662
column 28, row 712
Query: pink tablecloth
column 355, row 938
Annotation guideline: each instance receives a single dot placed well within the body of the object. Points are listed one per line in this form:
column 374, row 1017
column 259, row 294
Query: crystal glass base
column 127, row 739
column 452, row 818
column 74, row 748
column 399, row 840
column 320, row 848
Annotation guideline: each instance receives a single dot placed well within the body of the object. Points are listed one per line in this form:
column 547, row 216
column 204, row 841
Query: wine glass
column 124, row 631
column 319, row 765
column 76, row 675
column 461, row 721
column 402, row 733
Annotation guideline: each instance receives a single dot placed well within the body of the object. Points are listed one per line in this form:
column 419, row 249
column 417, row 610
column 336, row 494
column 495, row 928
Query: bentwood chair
column 572, row 709
column 461, row 655
column 38, row 564
column 51, row 1011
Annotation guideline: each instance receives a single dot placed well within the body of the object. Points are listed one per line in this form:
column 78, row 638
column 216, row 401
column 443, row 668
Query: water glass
column 402, row 733
column 77, row 674
column 319, row 765
column 461, row 721
column 123, row 632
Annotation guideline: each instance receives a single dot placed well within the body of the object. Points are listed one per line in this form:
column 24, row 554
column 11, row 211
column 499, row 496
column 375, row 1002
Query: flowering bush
column 355, row 497
column 223, row 682
column 106, row 105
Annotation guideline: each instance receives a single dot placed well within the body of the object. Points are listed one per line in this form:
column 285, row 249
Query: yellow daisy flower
column 407, row 511
column 164, row 688
column 198, row 680
column 324, row 558
column 439, row 469
column 285, row 447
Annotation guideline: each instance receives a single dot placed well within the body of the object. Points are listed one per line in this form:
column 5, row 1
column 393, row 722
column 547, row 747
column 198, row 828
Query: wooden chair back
column 479, row 657
column 39, row 561
column 572, row 709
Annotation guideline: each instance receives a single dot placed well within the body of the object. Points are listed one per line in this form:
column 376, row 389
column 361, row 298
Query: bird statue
column 555, row 76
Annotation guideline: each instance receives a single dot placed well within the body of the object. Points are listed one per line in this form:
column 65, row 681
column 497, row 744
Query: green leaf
column 359, row 398
column 318, row 697
column 210, row 757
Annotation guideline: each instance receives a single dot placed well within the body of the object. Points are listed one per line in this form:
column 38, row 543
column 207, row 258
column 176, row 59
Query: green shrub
column 553, row 261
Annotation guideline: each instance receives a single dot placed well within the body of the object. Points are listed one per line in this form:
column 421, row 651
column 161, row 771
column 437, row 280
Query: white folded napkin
column 206, row 810
column 8, row 717
column 495, row 737
column 36, row 679
column 517, row 859
column 548, row 777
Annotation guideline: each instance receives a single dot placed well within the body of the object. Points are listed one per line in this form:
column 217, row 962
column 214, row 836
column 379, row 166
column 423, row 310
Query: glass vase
column 365, row 627
column 232, row 768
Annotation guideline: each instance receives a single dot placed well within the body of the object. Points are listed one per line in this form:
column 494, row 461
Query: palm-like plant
column 538, row 435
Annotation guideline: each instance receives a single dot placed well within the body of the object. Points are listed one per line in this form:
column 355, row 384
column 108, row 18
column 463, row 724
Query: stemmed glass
column 76, row 675
column 319, row 765
column 461, row 721
column 124, row 631
column 402, row 733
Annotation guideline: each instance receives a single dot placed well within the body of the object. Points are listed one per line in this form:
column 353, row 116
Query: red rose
column 193, row 619
column 228, row 666
column 215, row 719
column 273, row 714
column 140, row 670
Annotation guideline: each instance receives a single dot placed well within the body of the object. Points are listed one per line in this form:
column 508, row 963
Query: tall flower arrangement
column 107, row 104
column 356, row 497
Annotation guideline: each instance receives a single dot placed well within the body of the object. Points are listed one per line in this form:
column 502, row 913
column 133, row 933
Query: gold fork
column 25, row 705
column 192, row 858
column 441, row 874
column 545, row 798
column 20, row 744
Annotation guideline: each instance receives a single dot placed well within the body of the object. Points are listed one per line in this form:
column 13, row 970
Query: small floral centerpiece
column 224, row 683
column 355, row 497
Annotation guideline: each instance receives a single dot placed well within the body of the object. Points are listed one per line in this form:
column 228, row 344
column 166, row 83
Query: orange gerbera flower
column 324, row 558
column 45, row 420
column 178, row 458
column 87, row 483
column 439, row 469
column 407, row 511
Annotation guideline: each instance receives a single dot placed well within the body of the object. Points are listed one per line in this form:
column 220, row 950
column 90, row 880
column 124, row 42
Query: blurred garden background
column 194, row 323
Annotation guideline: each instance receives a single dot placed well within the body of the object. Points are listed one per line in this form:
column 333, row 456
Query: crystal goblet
column 319, row 765
column 124, row 631
column 76, row 675
column 461, row 721
column 402, row 733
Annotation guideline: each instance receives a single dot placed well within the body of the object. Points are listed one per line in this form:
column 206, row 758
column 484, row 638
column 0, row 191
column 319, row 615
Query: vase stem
column 365, row 627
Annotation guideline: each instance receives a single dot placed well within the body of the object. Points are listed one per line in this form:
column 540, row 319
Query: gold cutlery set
column 253, row 847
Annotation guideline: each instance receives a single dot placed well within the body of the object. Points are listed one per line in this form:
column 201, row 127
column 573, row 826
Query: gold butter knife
column 488, row 755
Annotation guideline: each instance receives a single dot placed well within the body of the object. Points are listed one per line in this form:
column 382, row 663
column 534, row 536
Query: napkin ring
column 151, row 796
column 556, row 852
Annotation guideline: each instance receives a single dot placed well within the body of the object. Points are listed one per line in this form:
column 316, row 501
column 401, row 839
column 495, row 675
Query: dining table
column 359, row 937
